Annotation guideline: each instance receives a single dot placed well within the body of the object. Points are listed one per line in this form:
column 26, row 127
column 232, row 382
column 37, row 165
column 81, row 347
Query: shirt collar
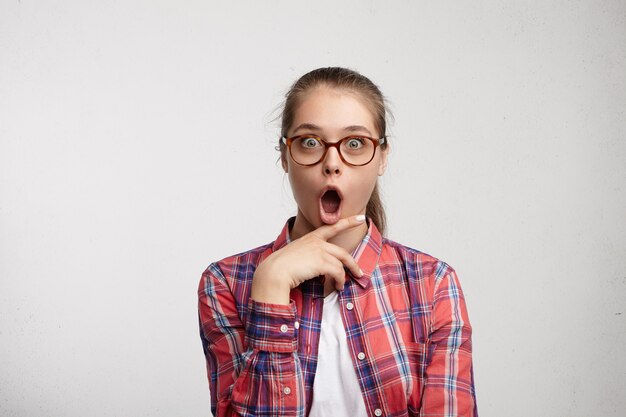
column 366, row 253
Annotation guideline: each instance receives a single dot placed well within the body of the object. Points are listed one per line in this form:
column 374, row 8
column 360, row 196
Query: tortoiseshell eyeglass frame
column 376, row 142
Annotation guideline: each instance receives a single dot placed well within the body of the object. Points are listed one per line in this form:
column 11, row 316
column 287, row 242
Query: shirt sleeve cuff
column 272, row 327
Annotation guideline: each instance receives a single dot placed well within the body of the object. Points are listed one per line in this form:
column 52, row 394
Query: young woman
column 332, row 318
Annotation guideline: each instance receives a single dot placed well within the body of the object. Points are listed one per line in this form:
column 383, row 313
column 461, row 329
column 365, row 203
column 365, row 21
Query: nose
column 332, row 162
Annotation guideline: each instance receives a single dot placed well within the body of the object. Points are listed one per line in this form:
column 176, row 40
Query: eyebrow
column 307, row 126
column 316, row 128
column 357, row 128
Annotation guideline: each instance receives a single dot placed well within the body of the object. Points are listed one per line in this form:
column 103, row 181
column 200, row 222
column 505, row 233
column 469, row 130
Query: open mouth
column 330, row 206
column 331, row 201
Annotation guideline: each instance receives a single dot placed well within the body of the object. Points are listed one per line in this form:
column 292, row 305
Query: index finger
column 330, row 230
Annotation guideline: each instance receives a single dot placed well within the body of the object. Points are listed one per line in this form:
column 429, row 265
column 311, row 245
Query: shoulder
column 225, row 284
column 238, row 267
column 416, row 265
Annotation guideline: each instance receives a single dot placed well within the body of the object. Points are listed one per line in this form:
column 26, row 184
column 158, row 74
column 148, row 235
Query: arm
column 449, row 387
column 254, row 368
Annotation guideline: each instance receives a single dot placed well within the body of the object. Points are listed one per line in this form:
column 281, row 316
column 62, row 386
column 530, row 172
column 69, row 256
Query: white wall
column 136, row 146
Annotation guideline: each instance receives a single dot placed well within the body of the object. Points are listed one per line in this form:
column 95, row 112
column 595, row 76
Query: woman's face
column 332, row 114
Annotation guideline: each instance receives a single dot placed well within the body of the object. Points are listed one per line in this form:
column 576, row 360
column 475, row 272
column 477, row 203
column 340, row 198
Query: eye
column 355, row 143
column 310, row 142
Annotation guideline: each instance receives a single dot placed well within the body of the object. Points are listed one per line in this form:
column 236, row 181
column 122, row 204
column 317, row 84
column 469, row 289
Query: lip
column 331, row 187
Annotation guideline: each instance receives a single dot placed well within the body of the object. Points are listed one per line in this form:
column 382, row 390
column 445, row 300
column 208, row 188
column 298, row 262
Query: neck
column 348, row 239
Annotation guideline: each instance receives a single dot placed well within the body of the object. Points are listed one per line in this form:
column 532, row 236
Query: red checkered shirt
column 406, row 324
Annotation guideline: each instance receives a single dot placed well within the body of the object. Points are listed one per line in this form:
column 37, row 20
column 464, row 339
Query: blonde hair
column 351, row 80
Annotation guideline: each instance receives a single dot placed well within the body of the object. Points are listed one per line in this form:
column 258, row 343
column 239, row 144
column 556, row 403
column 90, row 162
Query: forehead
column 333, row 110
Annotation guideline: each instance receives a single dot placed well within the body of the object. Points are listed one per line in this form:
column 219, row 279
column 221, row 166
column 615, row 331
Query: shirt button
column 287, row 390
column 361, row 356
column 349, row 306
column 378, row 412
column 284, row 328
column 296, row 325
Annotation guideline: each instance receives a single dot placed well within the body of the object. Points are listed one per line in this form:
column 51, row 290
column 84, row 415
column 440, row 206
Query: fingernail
column 360, row 218
column 361, row 271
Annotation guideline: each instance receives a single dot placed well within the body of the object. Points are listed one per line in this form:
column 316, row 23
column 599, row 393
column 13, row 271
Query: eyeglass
column 309, row 150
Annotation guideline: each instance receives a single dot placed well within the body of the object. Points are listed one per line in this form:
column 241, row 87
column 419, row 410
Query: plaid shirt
column 406, row 323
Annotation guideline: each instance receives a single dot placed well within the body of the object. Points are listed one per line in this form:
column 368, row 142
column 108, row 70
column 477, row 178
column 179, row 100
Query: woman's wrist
column 267, row 287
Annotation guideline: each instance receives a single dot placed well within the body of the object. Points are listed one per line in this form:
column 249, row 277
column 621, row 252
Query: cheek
column 299, row 183
column 364, row 186
column 371, row 183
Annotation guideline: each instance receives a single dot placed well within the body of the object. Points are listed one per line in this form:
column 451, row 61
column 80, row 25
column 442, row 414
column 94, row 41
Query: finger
column 330, row 230
column 345, row 258
column 340, row 285
column 335, row 271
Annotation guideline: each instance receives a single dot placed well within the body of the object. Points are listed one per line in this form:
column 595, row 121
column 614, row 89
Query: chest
column 385, row 326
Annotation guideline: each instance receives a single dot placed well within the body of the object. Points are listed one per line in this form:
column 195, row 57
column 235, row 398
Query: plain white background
column 137, row 146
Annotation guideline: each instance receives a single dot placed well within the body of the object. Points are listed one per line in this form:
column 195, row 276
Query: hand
column 307, row 257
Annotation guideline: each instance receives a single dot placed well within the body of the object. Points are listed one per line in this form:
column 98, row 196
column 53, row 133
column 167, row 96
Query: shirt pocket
column 419, row 356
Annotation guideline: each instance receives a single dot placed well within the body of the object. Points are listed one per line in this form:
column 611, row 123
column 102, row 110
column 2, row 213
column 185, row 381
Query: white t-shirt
column 336, row 390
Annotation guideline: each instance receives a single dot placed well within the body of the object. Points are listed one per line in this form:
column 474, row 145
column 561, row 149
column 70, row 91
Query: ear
column 283, row 162
column 382, row 166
